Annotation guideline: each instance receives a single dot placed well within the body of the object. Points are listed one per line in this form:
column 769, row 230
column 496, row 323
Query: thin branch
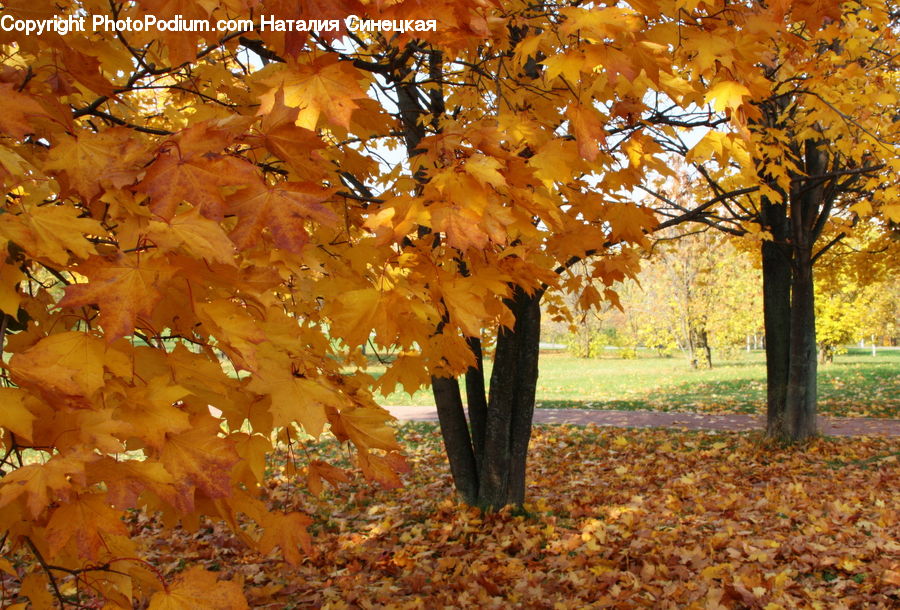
column 827, row 247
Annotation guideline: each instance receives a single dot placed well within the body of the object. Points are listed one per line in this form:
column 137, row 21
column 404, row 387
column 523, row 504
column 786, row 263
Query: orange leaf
column 52, row 232
column 367, row 427
column 283, row 209
column 200, row 459
column 91, row 161
column 319, row 470
column 326, row 86
column 727, row 94
column 88, row 521
column 197, row 588
column 588, row 130
column 19, row 113
column 42, row 483
column 124, row 288
column 71, row 363
column 378, row 469
column 172, row 179
column 286, row 531
column 200, row 237
column 14, row 415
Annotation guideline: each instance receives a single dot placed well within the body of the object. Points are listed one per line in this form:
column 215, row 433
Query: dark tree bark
column 488, row 454
column 457, row 441
column 810, row 204
column 800, row 400
column 789, row 296
column 776, row 268
column 476, row 396
column 511, row 405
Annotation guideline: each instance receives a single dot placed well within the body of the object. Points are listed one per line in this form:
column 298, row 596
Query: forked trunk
column 488, row 453
column 790, row 346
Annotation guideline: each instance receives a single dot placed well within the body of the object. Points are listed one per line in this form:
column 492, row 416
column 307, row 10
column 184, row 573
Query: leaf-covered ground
column 855, row 385
column 627, row 518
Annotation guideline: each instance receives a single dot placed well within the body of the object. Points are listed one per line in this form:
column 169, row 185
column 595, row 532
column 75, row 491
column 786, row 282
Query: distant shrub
column 628, row 353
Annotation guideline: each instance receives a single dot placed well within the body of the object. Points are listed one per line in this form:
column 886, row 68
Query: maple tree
column 647, row 101
column 812, row 153
column 203, row 228
column 172, row 221
column 698, row 288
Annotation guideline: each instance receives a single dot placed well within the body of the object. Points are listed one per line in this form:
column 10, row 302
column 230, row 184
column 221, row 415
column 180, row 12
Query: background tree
column 856, row 293
column 697, row 291
column 813, row 140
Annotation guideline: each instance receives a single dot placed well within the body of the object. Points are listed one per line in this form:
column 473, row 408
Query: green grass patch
column 856, row 384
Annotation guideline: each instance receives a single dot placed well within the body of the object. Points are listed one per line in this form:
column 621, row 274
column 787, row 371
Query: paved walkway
column 832, row 426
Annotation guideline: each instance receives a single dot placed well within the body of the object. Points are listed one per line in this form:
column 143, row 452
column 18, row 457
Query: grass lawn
column 855, row 385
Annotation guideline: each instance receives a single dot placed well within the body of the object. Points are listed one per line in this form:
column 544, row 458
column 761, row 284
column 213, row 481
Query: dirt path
column 832, row 426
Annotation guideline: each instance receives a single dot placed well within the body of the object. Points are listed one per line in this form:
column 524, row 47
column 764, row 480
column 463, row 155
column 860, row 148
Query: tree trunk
column 788, row 266
column 776, row 268
column 701, row 353
column 826, row 353
column 800, row 404
column 511, row 405
column 692, row 350
column 457, row 441
column 789, row 313
column 476, row 397
column 488, row 455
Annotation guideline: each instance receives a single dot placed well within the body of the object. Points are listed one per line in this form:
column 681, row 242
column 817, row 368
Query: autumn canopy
column 203, row 229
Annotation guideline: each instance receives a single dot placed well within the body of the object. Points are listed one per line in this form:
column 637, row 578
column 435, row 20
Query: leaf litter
column 625, row 518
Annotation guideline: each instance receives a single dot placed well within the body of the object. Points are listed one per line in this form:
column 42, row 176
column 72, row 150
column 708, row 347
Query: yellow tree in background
column 857, row 295
column 697, row 292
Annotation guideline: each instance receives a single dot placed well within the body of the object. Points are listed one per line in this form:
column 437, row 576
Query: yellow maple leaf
column 726, row 95
column 353, row 313
column 199, row 459
column 587, row 129
column 198, row 236
column 485, row 169
column 324, row 86
column 91, row 161
column 367, row 427
column 465, row 304
column 71, row 363
column 283, row 209
column 124, row 288
column 42, row 484
column 52, row 232
column 88, row 521
column 286, row 531
column 14, row 415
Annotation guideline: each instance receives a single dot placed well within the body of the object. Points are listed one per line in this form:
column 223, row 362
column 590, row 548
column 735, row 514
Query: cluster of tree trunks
column 488, row 452
column 789, row 297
